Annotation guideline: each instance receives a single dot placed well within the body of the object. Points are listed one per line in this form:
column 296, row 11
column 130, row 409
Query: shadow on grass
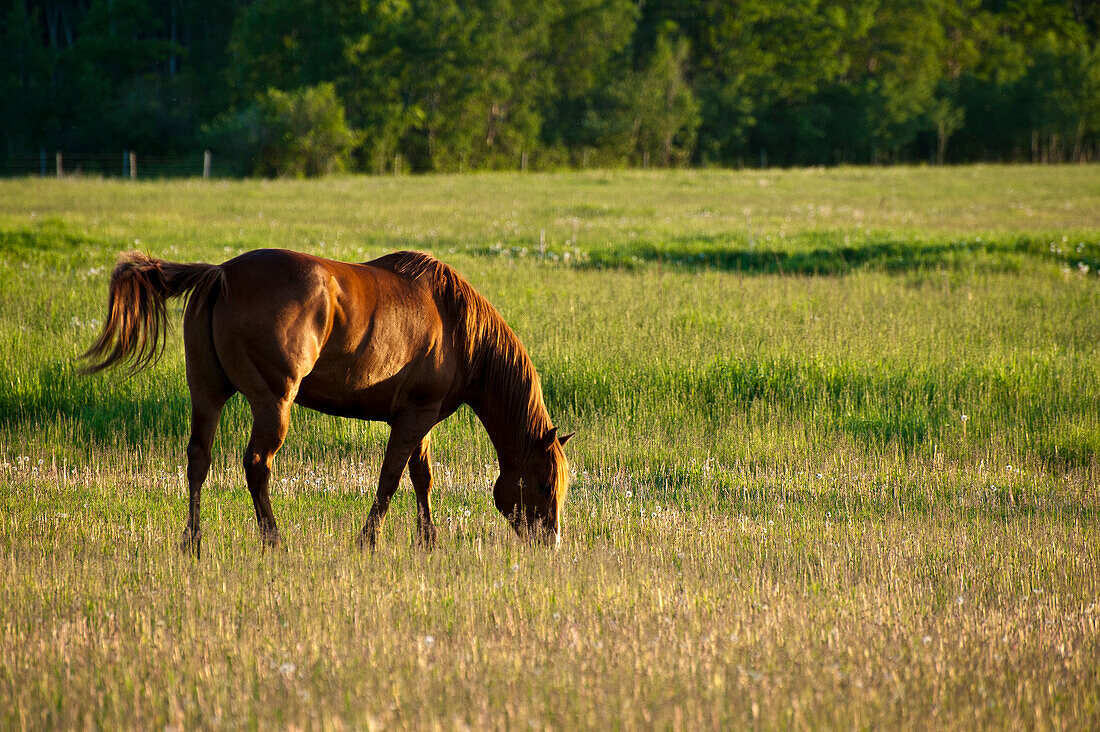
column 113, row 411
column 881, row 404
column 892, row 256
column 105, row 409
column 47, row 237
column 812, row 253
column 85, row 413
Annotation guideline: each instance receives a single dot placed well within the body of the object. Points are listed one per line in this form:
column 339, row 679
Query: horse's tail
column 136, row 312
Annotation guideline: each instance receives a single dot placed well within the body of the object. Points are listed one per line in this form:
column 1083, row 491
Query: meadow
column 836, row 463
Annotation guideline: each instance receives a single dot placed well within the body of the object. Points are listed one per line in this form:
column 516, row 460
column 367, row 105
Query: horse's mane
column 490, row 347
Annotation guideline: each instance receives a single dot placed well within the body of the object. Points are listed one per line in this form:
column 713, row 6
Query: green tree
column 665, row 112
column 450, row 85
column 588, row 54
column 460, row 84
column 288, row 44
column 946, row 118
column 756, row 67
column 299, row 134
column 25, row 80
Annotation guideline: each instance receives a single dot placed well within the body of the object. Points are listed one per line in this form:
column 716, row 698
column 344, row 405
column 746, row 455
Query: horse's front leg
column 407, row 432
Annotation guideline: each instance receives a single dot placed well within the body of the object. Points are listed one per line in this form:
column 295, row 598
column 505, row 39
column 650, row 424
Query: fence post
column 206, row 161
column 57, row 160
column 125, row 164
column 133, row 165
column 523, row 161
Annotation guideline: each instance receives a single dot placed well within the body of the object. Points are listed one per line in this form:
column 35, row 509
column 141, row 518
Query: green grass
column 779, row 514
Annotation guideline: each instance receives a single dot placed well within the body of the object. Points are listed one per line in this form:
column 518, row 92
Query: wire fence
column 124, row 164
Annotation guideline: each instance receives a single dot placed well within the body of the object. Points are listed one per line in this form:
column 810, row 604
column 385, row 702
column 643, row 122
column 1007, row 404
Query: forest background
column 305, row 87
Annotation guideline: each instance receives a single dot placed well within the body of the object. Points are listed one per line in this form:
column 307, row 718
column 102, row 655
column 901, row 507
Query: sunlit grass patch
column 1071, row 442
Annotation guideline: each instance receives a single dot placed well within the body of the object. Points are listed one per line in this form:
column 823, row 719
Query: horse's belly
column 359, row 407
column 360, row 397
column 367, row 393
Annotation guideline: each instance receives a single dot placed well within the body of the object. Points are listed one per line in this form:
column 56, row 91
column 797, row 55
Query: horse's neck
column 504, row 391
column 515, row 420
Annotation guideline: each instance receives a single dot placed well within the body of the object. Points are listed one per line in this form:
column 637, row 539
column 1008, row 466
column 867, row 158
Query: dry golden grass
column 649, row 616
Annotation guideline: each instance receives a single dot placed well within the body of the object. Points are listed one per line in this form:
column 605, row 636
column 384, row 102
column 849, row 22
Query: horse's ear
column 565, row 438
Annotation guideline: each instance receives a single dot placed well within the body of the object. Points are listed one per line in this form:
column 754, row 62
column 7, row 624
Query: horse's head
column 530, row 495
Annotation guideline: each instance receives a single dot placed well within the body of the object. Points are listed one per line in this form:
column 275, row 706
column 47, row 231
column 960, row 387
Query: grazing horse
column 402, row 339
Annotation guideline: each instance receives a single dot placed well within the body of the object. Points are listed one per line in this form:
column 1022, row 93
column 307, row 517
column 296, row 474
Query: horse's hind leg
column 204, row 422
column 270, row 421
column 420, row 471
column 210, row 389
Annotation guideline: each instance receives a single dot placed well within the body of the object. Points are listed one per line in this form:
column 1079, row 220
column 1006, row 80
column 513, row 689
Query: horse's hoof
column 426, row 540
column 191, row 544
column 365, row 541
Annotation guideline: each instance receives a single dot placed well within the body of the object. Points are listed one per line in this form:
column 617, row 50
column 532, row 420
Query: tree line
column 302, row 87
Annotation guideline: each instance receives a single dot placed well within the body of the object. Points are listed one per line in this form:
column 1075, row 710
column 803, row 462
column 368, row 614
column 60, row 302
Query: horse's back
column 353, row 336
column 274, row 276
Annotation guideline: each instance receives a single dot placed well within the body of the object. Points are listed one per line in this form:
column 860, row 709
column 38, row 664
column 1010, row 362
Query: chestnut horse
column 402, row 339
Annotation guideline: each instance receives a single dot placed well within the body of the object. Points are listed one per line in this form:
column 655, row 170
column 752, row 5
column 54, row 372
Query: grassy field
column 836, row 463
